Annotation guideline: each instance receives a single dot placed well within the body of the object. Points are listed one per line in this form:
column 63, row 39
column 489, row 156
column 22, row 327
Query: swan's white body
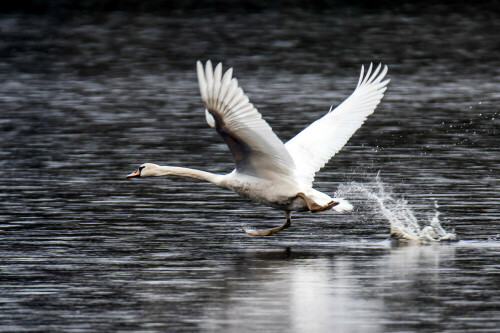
column 268, row 171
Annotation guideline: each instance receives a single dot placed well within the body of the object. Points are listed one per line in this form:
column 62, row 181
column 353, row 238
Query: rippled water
column 86, row 99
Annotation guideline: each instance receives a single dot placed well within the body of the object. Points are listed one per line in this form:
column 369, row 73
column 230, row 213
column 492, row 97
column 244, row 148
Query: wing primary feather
column 243, row 101
column 374, row 74
column 235, row 90
column 382, row 75
column 226, row 80
column 360, row 76
column 217, row 83
column 209, row 76
column 201, row 80
column 236, row 98
column 368, row 72
column 231, row 91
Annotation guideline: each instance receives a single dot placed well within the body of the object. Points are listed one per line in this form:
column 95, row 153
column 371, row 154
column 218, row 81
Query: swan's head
column 145, row 170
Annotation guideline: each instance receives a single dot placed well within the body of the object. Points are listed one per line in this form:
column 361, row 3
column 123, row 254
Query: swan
column 267, row 170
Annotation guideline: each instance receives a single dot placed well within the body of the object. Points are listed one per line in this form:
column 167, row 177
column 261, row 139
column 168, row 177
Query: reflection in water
column 326, row 297
column 301, row 292
column 398, row 288
column 410, row 278
column 297, row 293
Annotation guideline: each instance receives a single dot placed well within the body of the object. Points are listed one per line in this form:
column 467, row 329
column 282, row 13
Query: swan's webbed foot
column 271, row 231
column 313, row 206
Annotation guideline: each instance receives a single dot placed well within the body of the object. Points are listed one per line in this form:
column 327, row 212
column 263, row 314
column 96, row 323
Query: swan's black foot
column 271, row 231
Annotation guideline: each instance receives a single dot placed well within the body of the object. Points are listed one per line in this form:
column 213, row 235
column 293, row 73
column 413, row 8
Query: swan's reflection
column 326, row 297
column 302, row 292
column 294, row 292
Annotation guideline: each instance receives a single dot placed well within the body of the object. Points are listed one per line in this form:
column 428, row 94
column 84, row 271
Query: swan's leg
column 313, row 206
column 274, row 230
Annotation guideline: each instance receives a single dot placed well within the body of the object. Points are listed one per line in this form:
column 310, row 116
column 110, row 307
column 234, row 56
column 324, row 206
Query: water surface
column 85, row 100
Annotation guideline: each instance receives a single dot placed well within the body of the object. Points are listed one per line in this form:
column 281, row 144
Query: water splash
column 403, row 222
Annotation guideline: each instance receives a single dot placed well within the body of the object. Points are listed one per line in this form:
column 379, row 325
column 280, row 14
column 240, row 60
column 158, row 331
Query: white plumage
column 265, row 154
column 268, row 171
column 312, row 148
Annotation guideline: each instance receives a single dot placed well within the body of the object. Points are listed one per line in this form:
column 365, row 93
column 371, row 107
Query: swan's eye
column 141, row 167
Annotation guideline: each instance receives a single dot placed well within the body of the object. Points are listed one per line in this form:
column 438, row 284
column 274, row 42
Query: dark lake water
column 85, row 99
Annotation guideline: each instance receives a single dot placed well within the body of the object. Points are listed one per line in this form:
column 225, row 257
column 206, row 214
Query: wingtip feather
column 368, row 72
column 209, row 72
column 375, row 73
column 202, row 83
column 361, row 75
column 382, row 74
column 218, row 72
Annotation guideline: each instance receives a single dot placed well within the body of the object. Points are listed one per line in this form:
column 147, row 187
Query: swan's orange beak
column 136, row 173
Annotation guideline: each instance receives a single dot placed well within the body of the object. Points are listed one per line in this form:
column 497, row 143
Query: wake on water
column 403, row 222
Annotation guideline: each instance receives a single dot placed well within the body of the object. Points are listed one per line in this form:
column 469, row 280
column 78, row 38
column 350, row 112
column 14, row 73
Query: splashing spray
column 403, row 222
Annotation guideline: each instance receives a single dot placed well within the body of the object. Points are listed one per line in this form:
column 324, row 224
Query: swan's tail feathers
column 343, row 207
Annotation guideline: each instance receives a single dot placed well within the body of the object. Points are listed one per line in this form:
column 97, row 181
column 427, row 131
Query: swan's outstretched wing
column 312, row 148
column 256, row 149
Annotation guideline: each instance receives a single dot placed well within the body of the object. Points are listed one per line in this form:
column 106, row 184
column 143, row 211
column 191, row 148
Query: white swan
column 268, row 171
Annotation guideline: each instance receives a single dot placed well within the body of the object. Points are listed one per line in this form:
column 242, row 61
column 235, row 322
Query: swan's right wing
column 255, row 148
column 312, row 148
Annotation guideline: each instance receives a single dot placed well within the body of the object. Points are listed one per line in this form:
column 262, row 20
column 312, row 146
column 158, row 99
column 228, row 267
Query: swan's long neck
column 186, row 172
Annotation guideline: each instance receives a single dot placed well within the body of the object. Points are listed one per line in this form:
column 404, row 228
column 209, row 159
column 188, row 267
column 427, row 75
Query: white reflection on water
column 328, row 299
column 303, row 295
column 347, row 293
column 408, row 260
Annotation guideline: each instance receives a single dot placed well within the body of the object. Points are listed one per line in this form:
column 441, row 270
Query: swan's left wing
column 255, row 148
column 312, row 148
